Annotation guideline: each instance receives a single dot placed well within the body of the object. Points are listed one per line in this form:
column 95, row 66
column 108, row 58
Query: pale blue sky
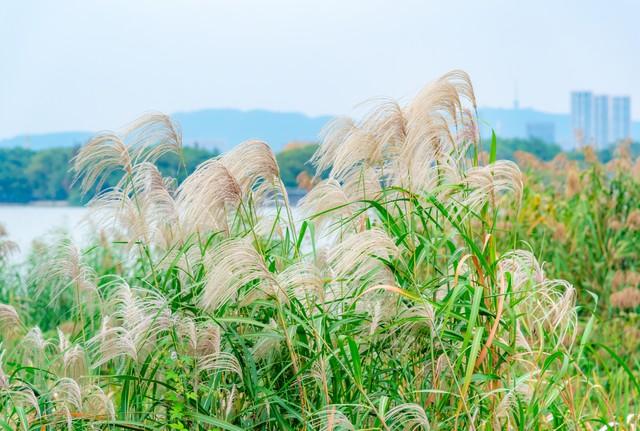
column 96, row 64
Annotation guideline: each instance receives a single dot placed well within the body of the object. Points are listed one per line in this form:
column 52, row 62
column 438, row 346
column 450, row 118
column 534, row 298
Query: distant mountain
column 224, row 128
column 47, row 140
column 211, row 128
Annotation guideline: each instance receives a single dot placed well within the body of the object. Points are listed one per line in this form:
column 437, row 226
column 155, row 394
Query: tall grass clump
column 388, row 299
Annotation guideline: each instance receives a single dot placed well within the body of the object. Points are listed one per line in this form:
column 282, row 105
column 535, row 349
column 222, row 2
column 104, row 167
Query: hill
column 221, row 129
column 210, row 129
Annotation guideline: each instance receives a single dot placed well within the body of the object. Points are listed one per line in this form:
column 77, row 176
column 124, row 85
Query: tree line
column 28, row 176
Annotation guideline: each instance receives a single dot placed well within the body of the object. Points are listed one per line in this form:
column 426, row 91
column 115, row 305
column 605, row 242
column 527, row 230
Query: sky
column 97, row 64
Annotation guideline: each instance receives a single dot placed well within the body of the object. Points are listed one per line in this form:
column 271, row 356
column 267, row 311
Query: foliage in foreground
column 391, row 303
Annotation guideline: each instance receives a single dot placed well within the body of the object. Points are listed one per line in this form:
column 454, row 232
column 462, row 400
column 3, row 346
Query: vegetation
column 27, row 175
column 403, row 293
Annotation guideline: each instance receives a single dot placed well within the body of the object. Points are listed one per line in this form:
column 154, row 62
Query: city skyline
column 600, row 119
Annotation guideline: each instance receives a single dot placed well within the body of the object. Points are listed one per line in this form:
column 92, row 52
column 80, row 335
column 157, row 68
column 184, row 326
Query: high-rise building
column 620, row 118
column 601, row 121
column 582, row 117
column 544, row 131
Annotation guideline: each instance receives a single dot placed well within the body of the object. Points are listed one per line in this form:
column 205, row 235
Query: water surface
column 24, row 223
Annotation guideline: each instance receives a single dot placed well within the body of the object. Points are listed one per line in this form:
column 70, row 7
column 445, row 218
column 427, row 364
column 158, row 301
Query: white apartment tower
column 620, row 118
column 582, row 117
column 601, row 121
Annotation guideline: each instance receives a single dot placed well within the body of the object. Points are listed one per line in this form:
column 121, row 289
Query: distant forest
column 44, row 175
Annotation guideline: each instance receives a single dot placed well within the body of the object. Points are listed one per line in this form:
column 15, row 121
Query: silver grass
column 359, row 149
column 228, row 401
column 427, row 156
column 486, row 182
column 66, row 268
column 363, row 184
column 270, row 341
column 4, row 379
column 8, row 248
column 203, row 197
column 113, row 342
column 24, row 396
column 34, row 340
column 143, row 313
column 331, row 419
column 302, row 280
column 511, row 400
column 185, row 328
column 407, row 417
column 234, row 264
column 151, row 136
column 387, row 122
column 122, row 216
column 67, row 392
column 73, row 357
column 254, row 167
column 208, row 338
column 333, row 135
column 357, row 255
column 10, row 323
column 325, row 203
column 145, row 140
column 102, row 155
column 155, row 194
column 97, row 403
column 220, row 361
column 445, row 96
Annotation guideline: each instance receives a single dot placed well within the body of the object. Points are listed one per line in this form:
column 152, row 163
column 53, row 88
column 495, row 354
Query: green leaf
column 494, row 147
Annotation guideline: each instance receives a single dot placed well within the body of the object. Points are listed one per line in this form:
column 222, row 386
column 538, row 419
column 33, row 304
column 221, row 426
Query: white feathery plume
column 357, row 255
column 388, row 123
column 485, row 182
column 143, row 313
column 302, row 280
column 25, row 396
column 7, row 248
column 234, row 264
column 407, row 417
column 270, row 341
column 524, row 268
column 331, row 419
column 326, row 202
column 34, row 340
column 153, row 192
column 254, row 167
column 220, row 361
column 98, row 404
column 4, row 379
column 10, row 322
column 145, row 140
column 359, row 149
column 185, row 327
column 228, row 401
column 333, row 135
column 521, row 392
column 208, row 338
column 67, row 392
column 203, row 198
column 67, row 268
column 362, row 184
column 151, row 136
column 103, row 154
column 113, row 342
column 73, row 357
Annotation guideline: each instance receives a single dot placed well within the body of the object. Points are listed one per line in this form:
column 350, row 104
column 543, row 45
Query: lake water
column 24, row 223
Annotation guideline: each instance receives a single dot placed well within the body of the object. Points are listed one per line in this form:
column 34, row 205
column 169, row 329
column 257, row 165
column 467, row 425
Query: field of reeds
column 422, row 285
